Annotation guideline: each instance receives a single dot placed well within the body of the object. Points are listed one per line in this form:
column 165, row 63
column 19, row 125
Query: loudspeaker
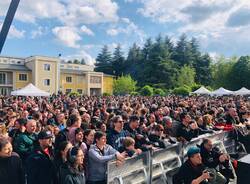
column 243, row 170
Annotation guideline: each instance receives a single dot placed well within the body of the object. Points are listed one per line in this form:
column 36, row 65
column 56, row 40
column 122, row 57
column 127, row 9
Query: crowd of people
column 69, row 140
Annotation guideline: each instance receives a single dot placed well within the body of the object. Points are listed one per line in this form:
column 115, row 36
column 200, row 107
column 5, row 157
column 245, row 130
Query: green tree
column 147, row 91
column 203, row 70
column 240, row 73
column 103, row 61
column 83, row 61
column 159, row 91
column 118, row 62
column 186, row 76
column 124, row 85
column 182, row 52
column 76, row 61
column 222, row 72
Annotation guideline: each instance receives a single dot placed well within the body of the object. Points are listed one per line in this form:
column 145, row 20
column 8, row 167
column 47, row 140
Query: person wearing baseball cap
column 193, row 171
column 40, row 167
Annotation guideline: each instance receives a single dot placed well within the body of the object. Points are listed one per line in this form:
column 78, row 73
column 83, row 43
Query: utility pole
column 7, row 22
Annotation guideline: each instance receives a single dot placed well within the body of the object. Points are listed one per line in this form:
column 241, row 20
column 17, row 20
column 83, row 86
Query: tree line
column 161, row 64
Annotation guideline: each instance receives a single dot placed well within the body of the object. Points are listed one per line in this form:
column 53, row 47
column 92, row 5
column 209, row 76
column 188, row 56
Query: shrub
column 147, row 91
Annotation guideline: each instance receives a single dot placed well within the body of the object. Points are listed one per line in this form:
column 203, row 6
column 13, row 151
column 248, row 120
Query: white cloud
column 69, row 12
column 214, row 23
column 14, row 32
column 87, row 31
column 112, row 32
column 38, row 32
column 126, row 27
column 67, row 35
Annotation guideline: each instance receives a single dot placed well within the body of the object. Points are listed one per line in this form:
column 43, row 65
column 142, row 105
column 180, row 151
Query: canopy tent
column 30, row 90
column 201, row 91
column 242, row 91
column 222, row 91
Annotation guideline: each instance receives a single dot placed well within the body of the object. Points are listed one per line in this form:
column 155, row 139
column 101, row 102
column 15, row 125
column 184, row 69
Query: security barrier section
column 158, row 167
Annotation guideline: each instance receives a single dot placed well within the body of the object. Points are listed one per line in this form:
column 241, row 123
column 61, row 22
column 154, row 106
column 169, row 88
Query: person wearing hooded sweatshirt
column 72, row 172
column 117, row 135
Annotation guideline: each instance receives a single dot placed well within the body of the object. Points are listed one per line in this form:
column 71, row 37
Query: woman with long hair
column 73, row 171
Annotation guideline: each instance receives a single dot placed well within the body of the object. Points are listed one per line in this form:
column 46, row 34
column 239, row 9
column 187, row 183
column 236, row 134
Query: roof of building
column 71, row 71
column 13, row 67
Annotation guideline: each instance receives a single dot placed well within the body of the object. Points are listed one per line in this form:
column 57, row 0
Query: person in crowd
column 89, row 137
column 39, row 165
column 98, row 156
column 157, row 136
column 186, row 131
column 194, row 172
column 141, row 142
column 72, row 172
column 129, row 147
column 232, row 117
column 67, row 134
column 78, row 140
column 25, row 143
column 212, row 157
column 60, row 121
column 3, row 130
column 61, row 154
column 11, row 170
column 19, row 129
column 117, row 135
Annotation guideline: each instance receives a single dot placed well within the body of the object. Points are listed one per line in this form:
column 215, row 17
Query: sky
column 79, row 28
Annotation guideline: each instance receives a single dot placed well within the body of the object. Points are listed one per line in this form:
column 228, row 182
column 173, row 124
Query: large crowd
column 69, row 140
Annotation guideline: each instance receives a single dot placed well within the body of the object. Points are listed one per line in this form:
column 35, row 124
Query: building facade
column 52, row 75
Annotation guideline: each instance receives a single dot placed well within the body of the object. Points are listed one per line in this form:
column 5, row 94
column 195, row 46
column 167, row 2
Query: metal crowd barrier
column 158, row 167
column 135, row 170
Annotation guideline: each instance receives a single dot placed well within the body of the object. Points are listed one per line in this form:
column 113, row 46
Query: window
column 2, row 78
column 68, row 91
column 23, row 77
column 79, row 91
column 68, row 79
column 46, row 82
column 46, row 67
column 95, row 79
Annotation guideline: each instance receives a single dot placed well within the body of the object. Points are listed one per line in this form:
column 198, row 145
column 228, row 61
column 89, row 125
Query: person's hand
column 193, row 126
column 205, row 175
column 138, row 151
column 222, row 158
column 121, row 156
column 119, row 163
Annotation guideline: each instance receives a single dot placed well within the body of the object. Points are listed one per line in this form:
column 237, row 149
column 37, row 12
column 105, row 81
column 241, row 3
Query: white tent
column 222, row 91
column 29, row 90
column 201, row 91
column 242, row 91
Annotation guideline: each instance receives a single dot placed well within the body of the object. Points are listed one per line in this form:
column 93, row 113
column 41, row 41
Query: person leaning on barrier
column 194, row 172
column 213, row 157
column 98, row 156
column 129, row 147
column 185, row 130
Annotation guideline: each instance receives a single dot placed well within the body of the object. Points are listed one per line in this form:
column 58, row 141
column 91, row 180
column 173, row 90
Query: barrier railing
column 159, row 166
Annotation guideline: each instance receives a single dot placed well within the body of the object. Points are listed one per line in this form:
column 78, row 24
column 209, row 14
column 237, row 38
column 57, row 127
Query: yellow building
column 52, row 75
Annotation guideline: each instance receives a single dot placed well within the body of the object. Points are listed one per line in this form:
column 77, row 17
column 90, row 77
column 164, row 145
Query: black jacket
column 40, row 168
column 187, row 173
column 62, row 136
column 186, row 132
column 11, row 170
column 68, row 175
